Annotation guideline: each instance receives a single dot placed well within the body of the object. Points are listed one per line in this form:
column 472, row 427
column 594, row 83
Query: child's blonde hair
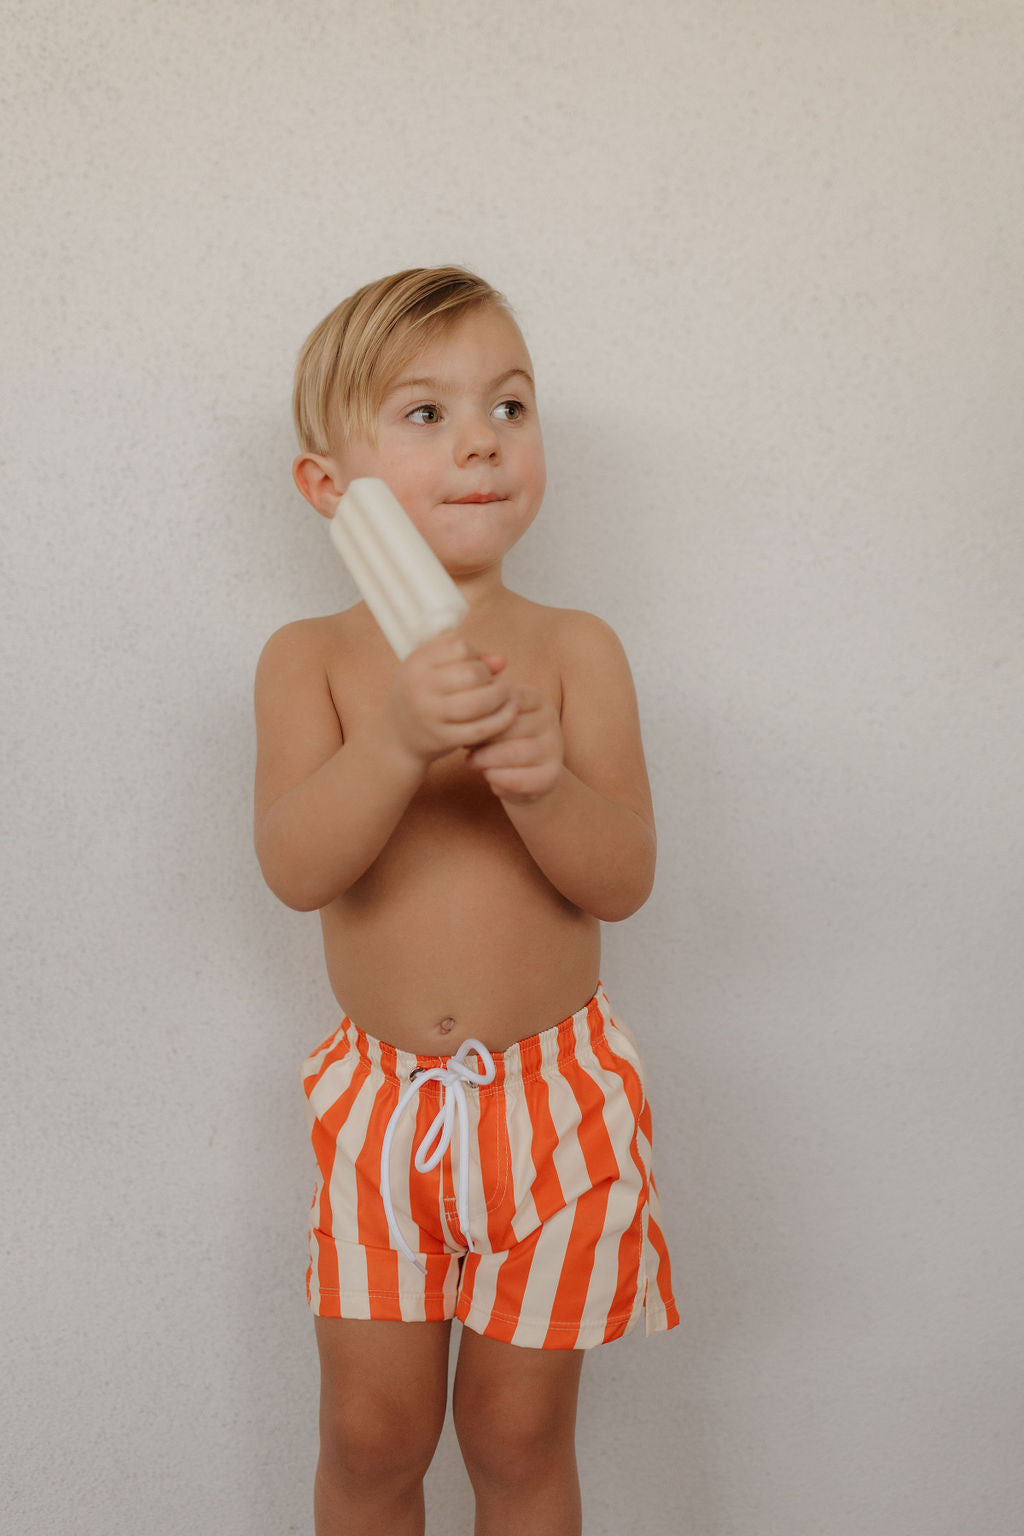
column 349, row 360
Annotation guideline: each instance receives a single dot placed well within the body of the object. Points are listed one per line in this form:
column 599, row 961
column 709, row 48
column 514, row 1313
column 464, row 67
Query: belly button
column 446, row 1026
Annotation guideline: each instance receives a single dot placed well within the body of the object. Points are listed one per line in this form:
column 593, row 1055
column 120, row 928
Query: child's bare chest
column 437, row 926
column 361, row 679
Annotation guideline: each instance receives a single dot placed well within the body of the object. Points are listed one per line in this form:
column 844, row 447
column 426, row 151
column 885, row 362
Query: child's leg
column 515, row 1416
column 383, row 1394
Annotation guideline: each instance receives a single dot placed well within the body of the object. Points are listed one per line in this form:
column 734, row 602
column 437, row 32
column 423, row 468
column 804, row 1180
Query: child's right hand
column 447, row 694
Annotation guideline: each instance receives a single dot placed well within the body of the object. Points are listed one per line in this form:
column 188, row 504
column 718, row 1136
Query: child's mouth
column 478, row 499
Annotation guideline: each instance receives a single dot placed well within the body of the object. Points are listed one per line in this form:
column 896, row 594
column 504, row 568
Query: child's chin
column 466, row 557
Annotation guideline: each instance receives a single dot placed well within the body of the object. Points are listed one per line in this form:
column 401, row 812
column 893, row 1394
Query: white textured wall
column 768, row 257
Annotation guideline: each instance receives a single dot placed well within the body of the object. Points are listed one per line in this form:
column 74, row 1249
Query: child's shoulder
column 313, row 641
column 573, row 631
column 567, row 636
column 587, row 661
column 302, row 673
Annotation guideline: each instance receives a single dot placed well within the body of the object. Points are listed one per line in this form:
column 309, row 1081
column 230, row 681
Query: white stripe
column 478, row 1195
column 621, row 1213
column 318, row 1103
column 311, row 1065
column 485, row 1285
column 522, row 1171
column 330, row 1086
column 342, row 1186
column 400, row 1172
column 354, row 1282
column 545, row 1272
column 622, row 1200
column 448, row 1236
column 570, row 1165
column 627, row 1192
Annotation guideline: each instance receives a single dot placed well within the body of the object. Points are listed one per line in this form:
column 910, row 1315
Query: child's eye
column 510, row 410
column 424, row 415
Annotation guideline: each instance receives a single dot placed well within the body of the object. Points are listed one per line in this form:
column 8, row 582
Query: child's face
column 459, row 442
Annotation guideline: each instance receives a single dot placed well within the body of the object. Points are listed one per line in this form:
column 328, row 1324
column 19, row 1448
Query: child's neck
column 483, row 589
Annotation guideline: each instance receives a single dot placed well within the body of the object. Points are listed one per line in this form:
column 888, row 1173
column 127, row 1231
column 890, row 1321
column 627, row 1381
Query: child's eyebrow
column 443, row 387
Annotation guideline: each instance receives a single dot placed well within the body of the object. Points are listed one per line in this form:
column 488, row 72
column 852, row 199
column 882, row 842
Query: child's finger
column 459, row 676
column 508, row 752
column 528, row 724
column 475, row 703
column 473, row 733
column 516, row 783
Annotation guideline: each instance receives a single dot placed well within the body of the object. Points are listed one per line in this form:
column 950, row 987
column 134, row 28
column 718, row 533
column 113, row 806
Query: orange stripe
column 498, row 1188
column 592, row 1207
column 496, row 1168
column 628, row 1278
column 433, row 1301
column 447, row 1190
column 511, row 1288
column 425, row 1188
column 470, row 1265
column 424, row 1196
column 574, row 1282
column 546, row 1189
column 630, row 1243
column 340, row 1030
column 341, row 1049
column 374, row 1237
column 663, row 1277
column 592, row 1132
column 325, row 1146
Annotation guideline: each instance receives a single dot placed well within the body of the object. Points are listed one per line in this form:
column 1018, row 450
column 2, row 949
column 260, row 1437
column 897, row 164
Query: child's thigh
column 508, row 1398
column 382, row 1381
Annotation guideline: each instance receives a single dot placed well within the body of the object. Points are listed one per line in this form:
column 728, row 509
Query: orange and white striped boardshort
column 512, row 1191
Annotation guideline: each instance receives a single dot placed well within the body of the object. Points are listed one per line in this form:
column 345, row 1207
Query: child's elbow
column 630, row 891
column 616, row 906
column 293, row 887
column 289, row 891
column 298, row 900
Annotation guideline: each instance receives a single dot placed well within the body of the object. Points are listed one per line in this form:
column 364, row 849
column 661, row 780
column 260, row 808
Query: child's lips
column 478, row 499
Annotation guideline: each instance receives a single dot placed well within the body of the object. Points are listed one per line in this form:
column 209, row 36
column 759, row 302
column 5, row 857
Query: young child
column 463, row 822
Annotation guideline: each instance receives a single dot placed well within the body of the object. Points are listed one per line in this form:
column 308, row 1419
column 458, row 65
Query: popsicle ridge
column 401, row 580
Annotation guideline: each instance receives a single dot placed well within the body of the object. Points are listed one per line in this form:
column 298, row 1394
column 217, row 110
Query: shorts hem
column 537, row 1334
column 381, row 1306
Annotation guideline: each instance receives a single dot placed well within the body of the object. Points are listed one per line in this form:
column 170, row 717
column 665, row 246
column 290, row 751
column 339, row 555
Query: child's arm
column 326, row 804
column 576, row 789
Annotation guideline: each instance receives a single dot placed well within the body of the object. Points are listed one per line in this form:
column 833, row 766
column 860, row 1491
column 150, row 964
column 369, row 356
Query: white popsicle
column 404, row 584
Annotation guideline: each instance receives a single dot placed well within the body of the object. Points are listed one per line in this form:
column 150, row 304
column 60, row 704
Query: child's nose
column 478, row 439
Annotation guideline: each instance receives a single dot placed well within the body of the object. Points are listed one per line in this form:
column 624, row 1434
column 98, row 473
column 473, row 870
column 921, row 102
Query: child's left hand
column 524, row 762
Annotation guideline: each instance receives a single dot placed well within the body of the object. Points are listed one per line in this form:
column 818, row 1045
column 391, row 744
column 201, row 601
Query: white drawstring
column 438, row 1139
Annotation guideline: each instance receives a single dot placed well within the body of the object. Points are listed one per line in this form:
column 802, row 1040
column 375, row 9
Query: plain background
column 768, row 258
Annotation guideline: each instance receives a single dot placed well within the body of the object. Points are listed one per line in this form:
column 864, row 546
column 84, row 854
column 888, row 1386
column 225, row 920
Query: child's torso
column 454, row 921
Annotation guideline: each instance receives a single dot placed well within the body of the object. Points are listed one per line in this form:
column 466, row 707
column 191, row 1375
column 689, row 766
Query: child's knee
column 372, row 1436
column 512, row 1443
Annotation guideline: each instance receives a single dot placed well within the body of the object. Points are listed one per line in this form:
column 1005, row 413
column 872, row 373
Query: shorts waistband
column 529, row 1057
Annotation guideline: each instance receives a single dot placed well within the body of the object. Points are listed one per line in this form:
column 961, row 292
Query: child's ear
column 320, row 481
